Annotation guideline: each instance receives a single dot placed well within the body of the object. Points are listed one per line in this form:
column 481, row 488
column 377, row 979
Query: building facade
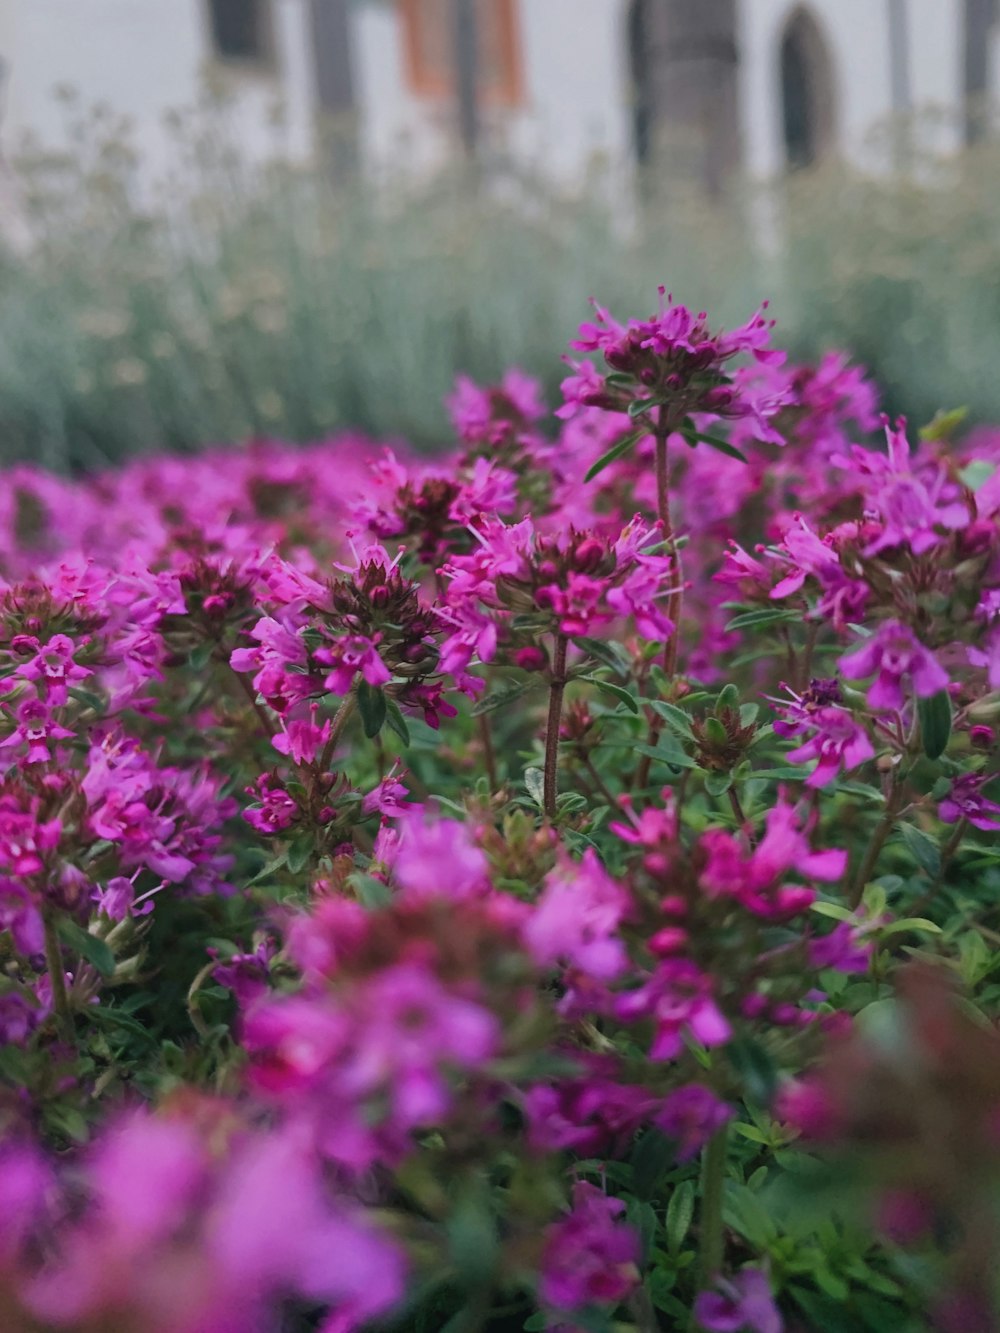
column 549, row 85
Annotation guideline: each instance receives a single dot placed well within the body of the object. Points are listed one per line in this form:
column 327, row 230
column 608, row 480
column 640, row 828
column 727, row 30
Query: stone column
column 692, row 69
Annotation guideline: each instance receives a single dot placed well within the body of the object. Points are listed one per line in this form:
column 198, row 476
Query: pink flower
column 590, row 1257
column 595, row 1113
column 302, row 740
column 389, row 798
column 966, row 801
column 276, row 810
column 20, row 915
column 691, row 1116
column 439, row 858
column 347, row 657
column 576, row 919
column 741, row 1302
column 916, row 510
column 37, row 729
column 410, row 1027
column 678, row 998
column 52, row 663
column 892, row 654
column 838, row 743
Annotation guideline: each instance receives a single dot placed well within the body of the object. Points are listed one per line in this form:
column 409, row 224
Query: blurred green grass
column 263, row 302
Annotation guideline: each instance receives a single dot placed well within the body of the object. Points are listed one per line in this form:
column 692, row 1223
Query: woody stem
column 557, row 687
column 57, row 978
column 663, row 427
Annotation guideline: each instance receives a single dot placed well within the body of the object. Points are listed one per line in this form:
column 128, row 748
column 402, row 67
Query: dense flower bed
column 547, row 886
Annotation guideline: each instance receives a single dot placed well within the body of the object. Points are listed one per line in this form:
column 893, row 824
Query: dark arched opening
column 806, row 92
column 639, row 69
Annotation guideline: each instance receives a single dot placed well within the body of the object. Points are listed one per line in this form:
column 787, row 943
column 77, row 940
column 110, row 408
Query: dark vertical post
column 466, row 74
column 331, row 39
column 979, row 17
column 693, row 67
column 899, row 80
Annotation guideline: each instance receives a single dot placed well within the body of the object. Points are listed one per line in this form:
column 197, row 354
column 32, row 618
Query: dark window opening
column 806, row 92
column 638, row 49
column 241, row 31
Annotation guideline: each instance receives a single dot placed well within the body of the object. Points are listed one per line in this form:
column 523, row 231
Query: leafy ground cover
column 247, row 299
column 551, row 885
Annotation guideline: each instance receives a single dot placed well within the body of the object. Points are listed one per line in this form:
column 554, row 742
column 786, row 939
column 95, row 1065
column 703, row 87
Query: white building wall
column 573, row 58
column 144, row 58
column 576, row 112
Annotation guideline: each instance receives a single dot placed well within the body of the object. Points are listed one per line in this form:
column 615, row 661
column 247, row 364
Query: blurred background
column 226, row 219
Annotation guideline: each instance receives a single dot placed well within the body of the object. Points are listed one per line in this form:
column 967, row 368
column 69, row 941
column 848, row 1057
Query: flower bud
column 588, row 554
column 531, row 658
column 671, row 939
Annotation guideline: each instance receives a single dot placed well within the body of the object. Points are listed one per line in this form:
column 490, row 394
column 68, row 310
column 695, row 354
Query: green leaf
column 300, row 852
column 665, row 755
column 917, row 923
column 694, row 437
column 396, row 721
column 108, row 1017
column 746, row 1214
column 783, row 773
column 372, row 893
column 835, row 910
column 87, row 698
column 922, row 848
column 652, row 1157
column 96, row 952
column 534, row 780
column 614, row 453
column 729, row 697
column 616, row 691
column 977, row 473
column 675, row 717
column 758, row 619
column 717, row 784
column 680, row 1213
column 604, row 652
column 641, row 1215
column 640, row 406
column 472, row 1235
column 269, row 869
column 500, row 698
column 200, row 656
column 935, row 723
column 752, row 1133
column 944, row 425
column 755, row 1067
column 372, row 707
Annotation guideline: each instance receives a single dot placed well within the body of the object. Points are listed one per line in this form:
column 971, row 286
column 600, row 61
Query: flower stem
column 489, row 753
column 599, row 783
column 882, row 830
column 340, row 721
column 713, row 1179
column 57, row 978
column 663, row 427
column 557, row 686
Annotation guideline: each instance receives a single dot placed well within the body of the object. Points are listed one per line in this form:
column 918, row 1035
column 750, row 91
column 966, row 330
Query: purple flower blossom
column 894, row 654
column 966, row 801
column 577, row 917
column 838, row 741
column 691, row 1116
column 741, row 1302
column 590, row 1257
column 678, row 998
